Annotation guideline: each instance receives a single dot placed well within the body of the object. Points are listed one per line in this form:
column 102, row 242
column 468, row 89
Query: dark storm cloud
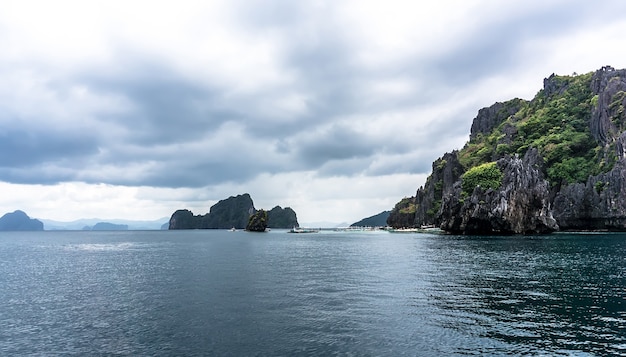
column 338, row 143
column 166, row 107
column 34, row 146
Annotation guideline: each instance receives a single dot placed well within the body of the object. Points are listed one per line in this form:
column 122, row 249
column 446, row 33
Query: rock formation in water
column 233, row 212
column 258, row 221
column 555, row 162
column 19, row 221
column 282, row 218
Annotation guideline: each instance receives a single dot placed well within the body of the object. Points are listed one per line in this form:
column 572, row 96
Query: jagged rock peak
column 490, row 117
column 608, row 117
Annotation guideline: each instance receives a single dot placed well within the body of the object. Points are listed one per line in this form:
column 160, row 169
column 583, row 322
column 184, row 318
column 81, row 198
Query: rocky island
column 235, row 212
column 19, row 221
column 556, row 162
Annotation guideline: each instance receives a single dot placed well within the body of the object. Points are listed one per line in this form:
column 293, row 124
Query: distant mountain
column 233, row 212
column 19, row 221
column 80, row 224
column 324, row 224
column 379, row 220
column 107, row 226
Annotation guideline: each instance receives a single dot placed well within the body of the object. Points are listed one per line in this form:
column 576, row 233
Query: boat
column 233, row 229
column 405, row 230
column 303, row 230
column 421, row 229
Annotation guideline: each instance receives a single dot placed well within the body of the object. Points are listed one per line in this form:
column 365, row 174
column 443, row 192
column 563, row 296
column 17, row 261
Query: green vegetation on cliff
column 556, row 122
column 485, row 175
column 257, row 222
column 403, row 214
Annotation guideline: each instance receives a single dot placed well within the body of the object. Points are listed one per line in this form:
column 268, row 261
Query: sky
column 337, row 109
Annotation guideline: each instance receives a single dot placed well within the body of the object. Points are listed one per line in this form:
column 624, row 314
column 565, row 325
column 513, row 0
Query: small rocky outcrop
column 521, row 205
column 258, row 222
column 19, row 221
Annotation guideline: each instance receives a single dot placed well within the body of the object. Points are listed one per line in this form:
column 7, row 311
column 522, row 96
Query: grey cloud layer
column 175, row 130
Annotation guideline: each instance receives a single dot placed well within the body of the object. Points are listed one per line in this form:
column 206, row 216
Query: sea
column 332, row 293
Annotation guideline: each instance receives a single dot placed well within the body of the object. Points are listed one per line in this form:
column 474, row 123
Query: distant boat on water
column 422, row 229
column 303, row 230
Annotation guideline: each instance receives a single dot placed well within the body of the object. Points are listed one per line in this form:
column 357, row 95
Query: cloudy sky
column 134, row 109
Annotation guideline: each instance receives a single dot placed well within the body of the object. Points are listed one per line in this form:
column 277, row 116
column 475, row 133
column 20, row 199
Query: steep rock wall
column 598, row 204
column 520, row 206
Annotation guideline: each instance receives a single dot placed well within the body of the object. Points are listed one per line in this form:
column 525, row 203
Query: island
column 19, row 221
column 233, row 212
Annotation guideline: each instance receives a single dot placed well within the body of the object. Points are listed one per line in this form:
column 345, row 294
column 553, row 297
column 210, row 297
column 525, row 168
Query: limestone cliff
column 519, row 205
column 232, row 212
column 561, row 156
column 279, row 217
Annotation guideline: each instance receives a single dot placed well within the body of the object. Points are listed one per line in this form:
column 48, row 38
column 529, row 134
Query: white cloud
column 139, row 108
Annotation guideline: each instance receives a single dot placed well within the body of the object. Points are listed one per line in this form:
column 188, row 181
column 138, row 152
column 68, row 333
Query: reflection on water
column 561, row 293
column 356, row 293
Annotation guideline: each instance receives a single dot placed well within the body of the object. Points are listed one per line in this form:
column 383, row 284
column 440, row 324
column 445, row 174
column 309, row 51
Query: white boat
column 303, row 230
column 405, row 230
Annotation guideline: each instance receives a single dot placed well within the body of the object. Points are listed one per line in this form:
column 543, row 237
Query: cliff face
column 562, row 159
column 233, row 212
column 403, row 214
column 228, row 213
column 19, row 221
column 598, row 204
column 279, row 217
column 519, row 205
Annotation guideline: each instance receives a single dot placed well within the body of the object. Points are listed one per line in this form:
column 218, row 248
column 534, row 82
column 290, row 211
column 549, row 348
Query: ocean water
column 220, row 293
